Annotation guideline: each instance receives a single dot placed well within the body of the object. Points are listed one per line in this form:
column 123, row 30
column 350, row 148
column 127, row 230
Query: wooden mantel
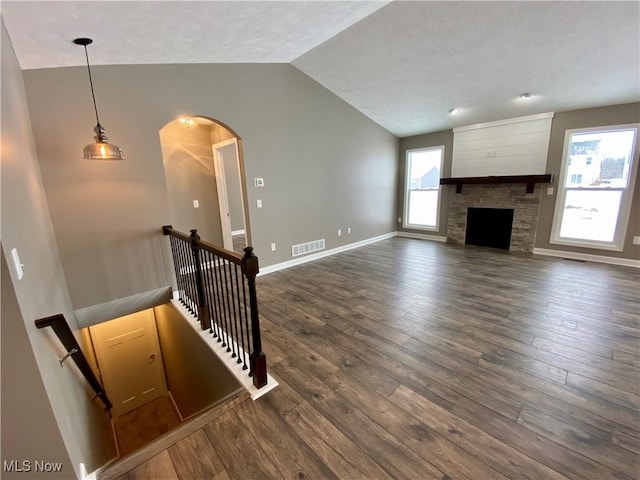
column 530, row 180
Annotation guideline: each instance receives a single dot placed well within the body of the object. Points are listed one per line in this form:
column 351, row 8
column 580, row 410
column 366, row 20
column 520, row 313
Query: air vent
column 309, row 247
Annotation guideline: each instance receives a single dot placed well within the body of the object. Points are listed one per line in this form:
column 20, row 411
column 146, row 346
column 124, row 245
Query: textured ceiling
column 403, row 64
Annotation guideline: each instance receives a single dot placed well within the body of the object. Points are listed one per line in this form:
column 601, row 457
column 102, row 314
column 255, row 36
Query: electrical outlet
column 273, row 247
column 196, row 204
column 258, row 182
column 349, row 231
column 399, row 219
column 259, row 203
column 636, row 240
column 339, row 232
column 550, row 191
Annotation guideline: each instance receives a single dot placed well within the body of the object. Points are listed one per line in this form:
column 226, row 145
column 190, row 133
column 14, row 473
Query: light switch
column 17, row 263
column 550, row 191
column 196, row 204
column 259, row 203
column 636, row 240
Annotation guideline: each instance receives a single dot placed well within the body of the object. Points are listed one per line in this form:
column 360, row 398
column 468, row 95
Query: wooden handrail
column 61, row 328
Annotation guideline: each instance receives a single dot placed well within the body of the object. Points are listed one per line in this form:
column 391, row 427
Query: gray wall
column 592, row 117
column 29, row 428
column 189, row 170
column 435, row 139
column 26, row 225
column 195, row 376
column 326, row 166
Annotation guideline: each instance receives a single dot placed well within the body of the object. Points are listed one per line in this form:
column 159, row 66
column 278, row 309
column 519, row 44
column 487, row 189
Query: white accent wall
column 516, row 146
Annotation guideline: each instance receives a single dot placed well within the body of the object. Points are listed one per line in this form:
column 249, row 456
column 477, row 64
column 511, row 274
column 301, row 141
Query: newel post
column 257, row 359
column 203, row 309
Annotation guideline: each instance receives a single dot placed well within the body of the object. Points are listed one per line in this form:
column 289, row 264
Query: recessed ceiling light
column 186, row 122
column 454, row 110
column 527, row 95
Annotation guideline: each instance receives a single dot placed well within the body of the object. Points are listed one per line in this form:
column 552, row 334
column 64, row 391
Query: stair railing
column 61, row 328
column 219, row 288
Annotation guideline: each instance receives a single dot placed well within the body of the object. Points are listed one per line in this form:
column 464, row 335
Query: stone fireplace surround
column 526, row 209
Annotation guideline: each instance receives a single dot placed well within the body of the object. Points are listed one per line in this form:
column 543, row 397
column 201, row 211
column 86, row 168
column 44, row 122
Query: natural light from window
column 423, row 188
column 595, row 194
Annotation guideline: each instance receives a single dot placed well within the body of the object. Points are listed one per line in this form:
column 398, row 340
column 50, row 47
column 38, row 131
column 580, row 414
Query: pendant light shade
column 101, row 149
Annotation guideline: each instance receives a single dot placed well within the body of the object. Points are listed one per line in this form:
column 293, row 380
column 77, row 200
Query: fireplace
column 489, row 227
column 514, row 197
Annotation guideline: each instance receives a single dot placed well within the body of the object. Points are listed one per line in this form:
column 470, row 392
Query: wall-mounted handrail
column 61, row 328
column 219, row 288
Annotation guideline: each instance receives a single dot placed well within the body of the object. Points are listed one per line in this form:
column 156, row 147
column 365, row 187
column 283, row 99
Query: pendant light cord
column 93, row 95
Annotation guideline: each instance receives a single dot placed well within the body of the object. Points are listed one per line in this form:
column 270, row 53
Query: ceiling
column 403, row 64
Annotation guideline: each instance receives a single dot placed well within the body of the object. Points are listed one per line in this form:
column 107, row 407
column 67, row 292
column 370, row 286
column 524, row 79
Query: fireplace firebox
column 489, row 227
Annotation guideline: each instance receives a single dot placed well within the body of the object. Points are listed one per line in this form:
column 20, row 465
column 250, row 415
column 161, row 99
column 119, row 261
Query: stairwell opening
column 157, row 372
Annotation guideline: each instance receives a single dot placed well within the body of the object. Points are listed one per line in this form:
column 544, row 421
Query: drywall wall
column 326, row 166
column 591, row 117
column 26, row 225
column 435, row 139
column 29, row 429
column 195, row 376
column 189, row 171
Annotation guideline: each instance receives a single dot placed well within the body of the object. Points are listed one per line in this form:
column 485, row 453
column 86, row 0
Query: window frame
column 407, row 179
column 626, row 193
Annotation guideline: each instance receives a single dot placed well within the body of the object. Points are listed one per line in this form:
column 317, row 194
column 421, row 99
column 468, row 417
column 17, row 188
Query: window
column 596, row 187
column 422, row 188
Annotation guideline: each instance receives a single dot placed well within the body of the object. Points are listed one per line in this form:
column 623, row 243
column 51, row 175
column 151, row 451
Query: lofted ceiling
column 403, row 64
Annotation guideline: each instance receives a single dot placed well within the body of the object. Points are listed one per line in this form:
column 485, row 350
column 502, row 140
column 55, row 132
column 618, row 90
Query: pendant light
column 101, row 149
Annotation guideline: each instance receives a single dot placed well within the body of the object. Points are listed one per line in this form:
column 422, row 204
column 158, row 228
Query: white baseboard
column 625, row 262
column 422, row 236
column 324, row 253
column 237, row 232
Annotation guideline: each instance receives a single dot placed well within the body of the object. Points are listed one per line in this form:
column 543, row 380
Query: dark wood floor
column 414, row 359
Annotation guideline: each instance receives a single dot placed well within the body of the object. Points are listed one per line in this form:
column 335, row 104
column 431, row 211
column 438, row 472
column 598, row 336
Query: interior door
column 223, row 199
column 129, row 360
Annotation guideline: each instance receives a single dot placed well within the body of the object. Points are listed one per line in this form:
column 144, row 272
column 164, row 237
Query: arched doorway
column 206, row 181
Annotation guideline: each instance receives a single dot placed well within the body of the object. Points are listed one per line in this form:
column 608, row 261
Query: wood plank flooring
column 420, row 360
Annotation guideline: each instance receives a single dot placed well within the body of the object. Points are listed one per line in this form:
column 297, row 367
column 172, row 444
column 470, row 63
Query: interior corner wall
column 189, row 170
column 426, row 140
column 590, row 117
column 26, row 226
column 326, row 166
column 196, row 377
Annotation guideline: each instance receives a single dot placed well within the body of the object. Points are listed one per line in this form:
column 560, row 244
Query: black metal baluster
column 184, row 271
column 210, row 293
column 216, row 292
column 205, row 265
column 229, row 294
column 246, row 317
column 240, row 338
column 225, row 317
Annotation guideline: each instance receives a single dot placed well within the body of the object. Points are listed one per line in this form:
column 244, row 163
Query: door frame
column 223, row 194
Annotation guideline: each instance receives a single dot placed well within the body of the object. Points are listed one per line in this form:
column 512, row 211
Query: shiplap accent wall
column 517, row 146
